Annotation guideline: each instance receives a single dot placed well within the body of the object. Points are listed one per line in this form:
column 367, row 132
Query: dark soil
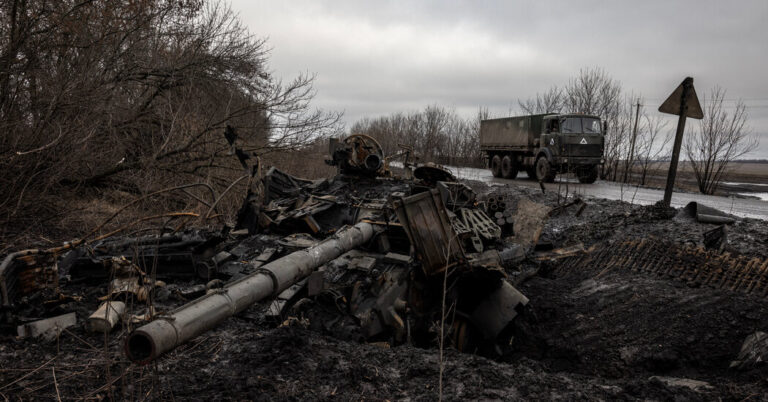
column 592, row 337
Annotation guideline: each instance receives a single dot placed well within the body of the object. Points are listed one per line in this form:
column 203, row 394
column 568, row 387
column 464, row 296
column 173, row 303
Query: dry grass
column 748, row 172
column 78, row 213
column 308, row 164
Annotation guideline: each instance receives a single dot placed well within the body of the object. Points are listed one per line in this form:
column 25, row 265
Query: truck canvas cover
column 510, row 131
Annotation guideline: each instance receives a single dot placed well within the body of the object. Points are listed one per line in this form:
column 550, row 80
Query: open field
column 740, row 177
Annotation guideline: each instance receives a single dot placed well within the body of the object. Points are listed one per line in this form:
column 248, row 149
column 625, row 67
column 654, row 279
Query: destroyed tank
column 389, row 258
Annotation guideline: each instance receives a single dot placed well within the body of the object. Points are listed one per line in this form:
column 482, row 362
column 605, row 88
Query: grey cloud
column 374, row 58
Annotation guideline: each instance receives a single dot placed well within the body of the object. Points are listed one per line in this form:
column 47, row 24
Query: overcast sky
column 373, row 58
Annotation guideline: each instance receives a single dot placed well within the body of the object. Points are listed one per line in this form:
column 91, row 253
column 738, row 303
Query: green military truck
column 544, row 145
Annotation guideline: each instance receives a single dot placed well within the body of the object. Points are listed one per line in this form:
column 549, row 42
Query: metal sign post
column 685, row 103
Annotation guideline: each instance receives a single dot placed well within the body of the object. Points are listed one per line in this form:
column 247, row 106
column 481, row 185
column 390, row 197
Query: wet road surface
column 751, row 208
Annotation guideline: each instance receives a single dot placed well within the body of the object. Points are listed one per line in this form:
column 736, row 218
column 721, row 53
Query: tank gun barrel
column 169, row 331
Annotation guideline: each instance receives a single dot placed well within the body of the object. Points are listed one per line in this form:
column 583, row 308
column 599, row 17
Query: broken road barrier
column 167, row 332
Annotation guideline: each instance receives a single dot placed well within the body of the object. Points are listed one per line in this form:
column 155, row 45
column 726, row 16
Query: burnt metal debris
column 357, row 154
column 706, row 214
column 365, row 255
column 172, row 329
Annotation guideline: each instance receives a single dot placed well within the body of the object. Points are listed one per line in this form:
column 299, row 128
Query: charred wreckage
column 364, row 255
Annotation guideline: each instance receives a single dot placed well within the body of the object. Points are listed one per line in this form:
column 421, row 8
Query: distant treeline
column 435, row 134
column 751, row 160
column 439, row 134
column 634, row 141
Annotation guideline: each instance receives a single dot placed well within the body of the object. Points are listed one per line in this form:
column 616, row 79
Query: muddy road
column 744, row 207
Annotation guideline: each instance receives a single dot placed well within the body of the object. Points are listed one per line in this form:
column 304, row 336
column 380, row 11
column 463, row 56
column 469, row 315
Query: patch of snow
column 734, row 183
column 762, row 196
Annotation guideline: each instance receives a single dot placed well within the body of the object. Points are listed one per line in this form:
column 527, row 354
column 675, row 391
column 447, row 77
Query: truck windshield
column 591, row 125
column 580, row 125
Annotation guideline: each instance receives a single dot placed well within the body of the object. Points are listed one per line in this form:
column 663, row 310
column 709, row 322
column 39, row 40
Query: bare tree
column 720, row 138
column 436, row 134
column 652, row 144
column 434, row 125
column 472, row 147
column 592, row 91
column 133, row 95
column 551, row 101
column 617, row 138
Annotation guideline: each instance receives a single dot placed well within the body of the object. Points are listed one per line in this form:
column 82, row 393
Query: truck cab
column 569, row 143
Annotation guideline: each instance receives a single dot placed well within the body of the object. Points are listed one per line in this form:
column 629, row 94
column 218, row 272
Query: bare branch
column 721, row 138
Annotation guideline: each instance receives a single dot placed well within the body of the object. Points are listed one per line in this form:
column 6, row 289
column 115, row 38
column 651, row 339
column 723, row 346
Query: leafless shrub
column 133, row 95
column 594, row 92
column 436, row 134
column 721, row 137
column 653, row 139
column 551, row 101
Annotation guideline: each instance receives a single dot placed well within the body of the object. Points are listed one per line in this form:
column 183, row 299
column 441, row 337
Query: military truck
column 544, row 145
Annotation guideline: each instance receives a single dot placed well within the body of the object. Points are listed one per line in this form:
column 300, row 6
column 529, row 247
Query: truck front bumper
column 578, row 160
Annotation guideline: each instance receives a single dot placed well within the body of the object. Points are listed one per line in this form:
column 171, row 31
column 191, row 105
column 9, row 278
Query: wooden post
column 631, row 159
column 687, row 85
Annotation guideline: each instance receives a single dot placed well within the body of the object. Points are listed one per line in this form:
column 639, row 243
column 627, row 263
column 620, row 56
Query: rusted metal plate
column 427, row 225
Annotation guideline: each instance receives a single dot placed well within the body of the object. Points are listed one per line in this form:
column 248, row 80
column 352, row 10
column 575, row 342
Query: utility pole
column 631, row 158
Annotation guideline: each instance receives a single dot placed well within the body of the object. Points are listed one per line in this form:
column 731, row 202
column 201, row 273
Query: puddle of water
column 734, row 183
column 763, row 196
column 485, row 175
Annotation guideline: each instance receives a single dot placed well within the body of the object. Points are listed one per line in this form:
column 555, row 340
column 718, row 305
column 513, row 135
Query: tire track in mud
column 694, row 265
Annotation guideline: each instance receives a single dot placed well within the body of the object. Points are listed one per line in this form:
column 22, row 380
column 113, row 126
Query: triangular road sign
column 672, row 104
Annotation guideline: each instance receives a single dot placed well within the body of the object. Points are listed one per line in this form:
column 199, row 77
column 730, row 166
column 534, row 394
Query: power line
column 727, row 99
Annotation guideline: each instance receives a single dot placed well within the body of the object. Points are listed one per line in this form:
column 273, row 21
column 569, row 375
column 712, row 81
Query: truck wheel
column 496, row 166
column 587, row 175
column 531, row 171
column 544, row 171
column 508, row 168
